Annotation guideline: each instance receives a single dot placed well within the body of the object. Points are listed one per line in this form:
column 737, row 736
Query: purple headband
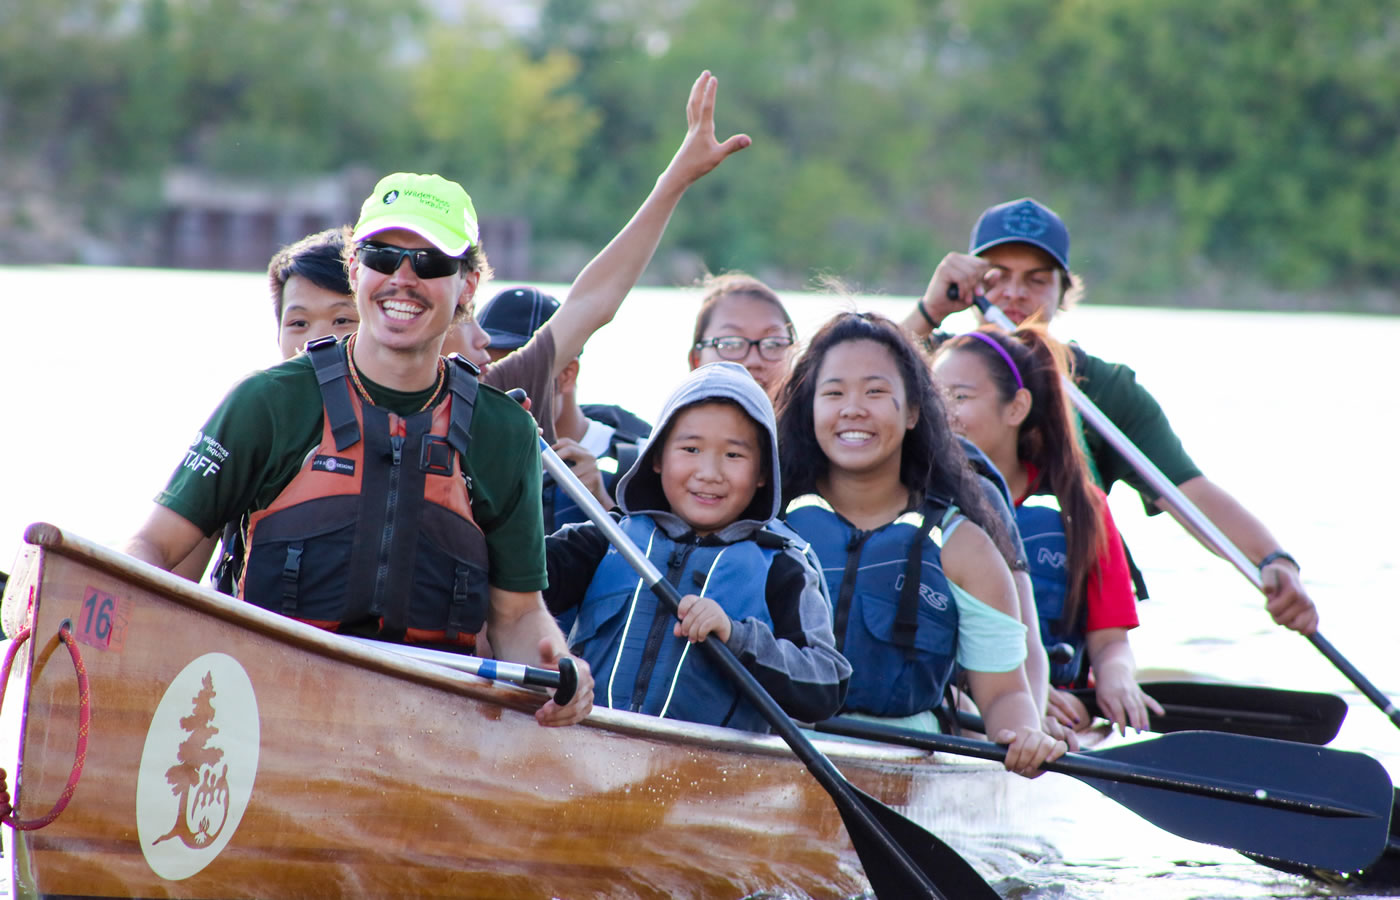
column 1015, row 372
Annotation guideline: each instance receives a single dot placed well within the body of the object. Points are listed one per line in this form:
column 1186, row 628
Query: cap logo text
column 1025, row 220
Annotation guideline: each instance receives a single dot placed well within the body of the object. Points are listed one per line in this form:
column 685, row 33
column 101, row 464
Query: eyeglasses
column 386, row 259
column 735, row 348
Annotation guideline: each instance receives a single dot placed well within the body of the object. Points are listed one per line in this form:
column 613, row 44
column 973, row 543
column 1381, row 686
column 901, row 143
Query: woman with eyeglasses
column 742, row 320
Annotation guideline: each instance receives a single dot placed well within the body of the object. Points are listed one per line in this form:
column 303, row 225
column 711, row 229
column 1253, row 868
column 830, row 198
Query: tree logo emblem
column 198, row 766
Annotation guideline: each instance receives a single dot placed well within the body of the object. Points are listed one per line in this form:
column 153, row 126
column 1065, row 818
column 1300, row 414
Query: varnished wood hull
column 345, row 770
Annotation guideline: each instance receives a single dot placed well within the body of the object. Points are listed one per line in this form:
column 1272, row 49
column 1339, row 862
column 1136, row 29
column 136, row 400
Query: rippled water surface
column 105, row 374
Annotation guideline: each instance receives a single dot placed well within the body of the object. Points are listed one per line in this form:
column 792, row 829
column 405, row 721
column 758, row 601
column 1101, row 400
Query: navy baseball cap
column 1023, row 221
column 513, row 315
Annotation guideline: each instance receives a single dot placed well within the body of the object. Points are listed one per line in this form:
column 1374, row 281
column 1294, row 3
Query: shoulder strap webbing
column 462, row 382
column 906, row 618
column 333, row 377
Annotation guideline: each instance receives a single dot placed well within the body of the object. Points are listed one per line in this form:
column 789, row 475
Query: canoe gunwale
column 51, row 538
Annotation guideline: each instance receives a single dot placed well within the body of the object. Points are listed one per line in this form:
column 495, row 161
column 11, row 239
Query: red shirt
column 1109, row 592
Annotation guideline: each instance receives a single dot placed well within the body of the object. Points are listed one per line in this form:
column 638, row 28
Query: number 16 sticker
column 102, row 621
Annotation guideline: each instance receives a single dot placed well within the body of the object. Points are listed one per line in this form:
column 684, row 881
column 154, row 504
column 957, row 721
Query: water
column 105, row 374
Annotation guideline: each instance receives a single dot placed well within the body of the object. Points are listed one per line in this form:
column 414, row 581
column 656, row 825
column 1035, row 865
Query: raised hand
column 701, row 151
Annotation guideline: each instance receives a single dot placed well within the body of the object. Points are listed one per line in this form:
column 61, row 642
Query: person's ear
column 567, row 378
column 468, row 291
column 694, row 358
column 1019, row 407
column 911, row 418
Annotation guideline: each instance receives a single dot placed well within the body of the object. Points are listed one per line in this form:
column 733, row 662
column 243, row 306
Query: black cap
column 513, row 315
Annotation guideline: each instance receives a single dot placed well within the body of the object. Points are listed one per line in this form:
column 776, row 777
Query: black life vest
column 374, row 535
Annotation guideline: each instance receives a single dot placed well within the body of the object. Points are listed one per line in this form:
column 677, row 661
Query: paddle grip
column 568, row 681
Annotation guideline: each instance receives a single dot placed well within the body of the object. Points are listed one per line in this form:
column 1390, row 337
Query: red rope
column 8, row 814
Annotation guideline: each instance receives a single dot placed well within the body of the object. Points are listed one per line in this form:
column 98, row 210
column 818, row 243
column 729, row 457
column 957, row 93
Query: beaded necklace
column 360, row 386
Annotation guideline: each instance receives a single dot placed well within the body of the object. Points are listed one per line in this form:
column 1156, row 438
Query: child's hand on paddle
column 1028, row 749
column 701, row 617
column 578, row 708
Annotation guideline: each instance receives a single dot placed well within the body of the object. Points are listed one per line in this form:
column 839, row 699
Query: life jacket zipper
column 386, row 543
column 660, row 627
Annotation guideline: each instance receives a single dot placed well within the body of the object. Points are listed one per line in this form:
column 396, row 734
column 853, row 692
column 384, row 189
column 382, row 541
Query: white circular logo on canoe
column 198, row 766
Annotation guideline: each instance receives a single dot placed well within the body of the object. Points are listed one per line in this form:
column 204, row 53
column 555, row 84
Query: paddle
column 1197, row 520
column 1310, row 805
column 564, row 681
column 1305, row 716
column 1299, row 716
column 900, row 858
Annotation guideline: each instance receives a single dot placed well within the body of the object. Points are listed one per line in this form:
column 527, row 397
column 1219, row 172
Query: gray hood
column 639, row 490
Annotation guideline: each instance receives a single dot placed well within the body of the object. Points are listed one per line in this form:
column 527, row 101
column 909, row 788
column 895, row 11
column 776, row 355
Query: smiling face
column 1024, row 280
column 976, row 409
column 309, row 311
column 711, row 465
column 860, row 410
column 746, row 316
column 400, row 311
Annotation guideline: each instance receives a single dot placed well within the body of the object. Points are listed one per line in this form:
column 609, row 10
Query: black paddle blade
column 1384, row 873
column 954, row 876
column 1343, row 843
column 1304, row 716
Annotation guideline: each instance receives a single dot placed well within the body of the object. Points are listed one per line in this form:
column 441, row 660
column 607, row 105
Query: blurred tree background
column 1223, row 152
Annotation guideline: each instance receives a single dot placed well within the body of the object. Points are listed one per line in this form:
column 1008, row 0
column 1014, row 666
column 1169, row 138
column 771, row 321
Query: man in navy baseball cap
column 1023, row 221
column 1018, row 258
column 513, row 316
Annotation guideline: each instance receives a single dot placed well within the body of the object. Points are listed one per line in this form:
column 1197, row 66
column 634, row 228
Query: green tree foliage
column 1270, row 130
column 499, row 122
column 1257, row 136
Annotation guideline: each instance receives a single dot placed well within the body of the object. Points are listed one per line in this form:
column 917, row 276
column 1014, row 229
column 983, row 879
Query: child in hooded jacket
column 701, row 501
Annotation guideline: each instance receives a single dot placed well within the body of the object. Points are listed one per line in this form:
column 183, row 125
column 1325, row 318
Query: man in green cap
column 392, row 495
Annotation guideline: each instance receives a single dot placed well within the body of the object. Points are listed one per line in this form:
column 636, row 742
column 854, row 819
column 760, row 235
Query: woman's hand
column 1124, row 703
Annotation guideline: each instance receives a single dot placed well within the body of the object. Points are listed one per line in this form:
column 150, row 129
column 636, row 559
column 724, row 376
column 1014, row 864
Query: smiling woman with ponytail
column 1004, row 394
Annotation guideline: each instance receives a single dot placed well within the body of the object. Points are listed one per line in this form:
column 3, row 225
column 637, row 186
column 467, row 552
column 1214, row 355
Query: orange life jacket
column 374, row 535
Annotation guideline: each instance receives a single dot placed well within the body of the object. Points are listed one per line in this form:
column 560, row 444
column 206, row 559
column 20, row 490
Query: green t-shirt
column 257, row 439
column 1114, row 390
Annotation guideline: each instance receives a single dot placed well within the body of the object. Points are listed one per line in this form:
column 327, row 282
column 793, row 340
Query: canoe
column 232, row 752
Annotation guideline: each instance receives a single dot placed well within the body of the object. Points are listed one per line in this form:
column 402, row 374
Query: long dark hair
column 932, row 461
column 1048, row 439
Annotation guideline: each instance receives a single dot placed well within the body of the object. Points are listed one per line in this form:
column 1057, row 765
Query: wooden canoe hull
column 235, row 753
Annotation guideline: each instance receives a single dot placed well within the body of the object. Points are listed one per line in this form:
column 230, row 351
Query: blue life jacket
column 625, row 633
column 894, row 614
column 1047, row 551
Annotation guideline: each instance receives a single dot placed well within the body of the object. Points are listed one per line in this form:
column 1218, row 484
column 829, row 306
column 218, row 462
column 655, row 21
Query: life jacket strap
column 462, row 383
column 906, row 618
column 291, row 576
column 333, row 375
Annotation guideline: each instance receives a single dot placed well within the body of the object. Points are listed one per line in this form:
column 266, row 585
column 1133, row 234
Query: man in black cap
column 598, row 441
column 1018, row 258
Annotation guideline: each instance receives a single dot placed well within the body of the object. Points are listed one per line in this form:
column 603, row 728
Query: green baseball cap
column 428, row 205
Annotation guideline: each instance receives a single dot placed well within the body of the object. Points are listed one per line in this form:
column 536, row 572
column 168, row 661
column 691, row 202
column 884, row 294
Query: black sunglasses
column 386, row 259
